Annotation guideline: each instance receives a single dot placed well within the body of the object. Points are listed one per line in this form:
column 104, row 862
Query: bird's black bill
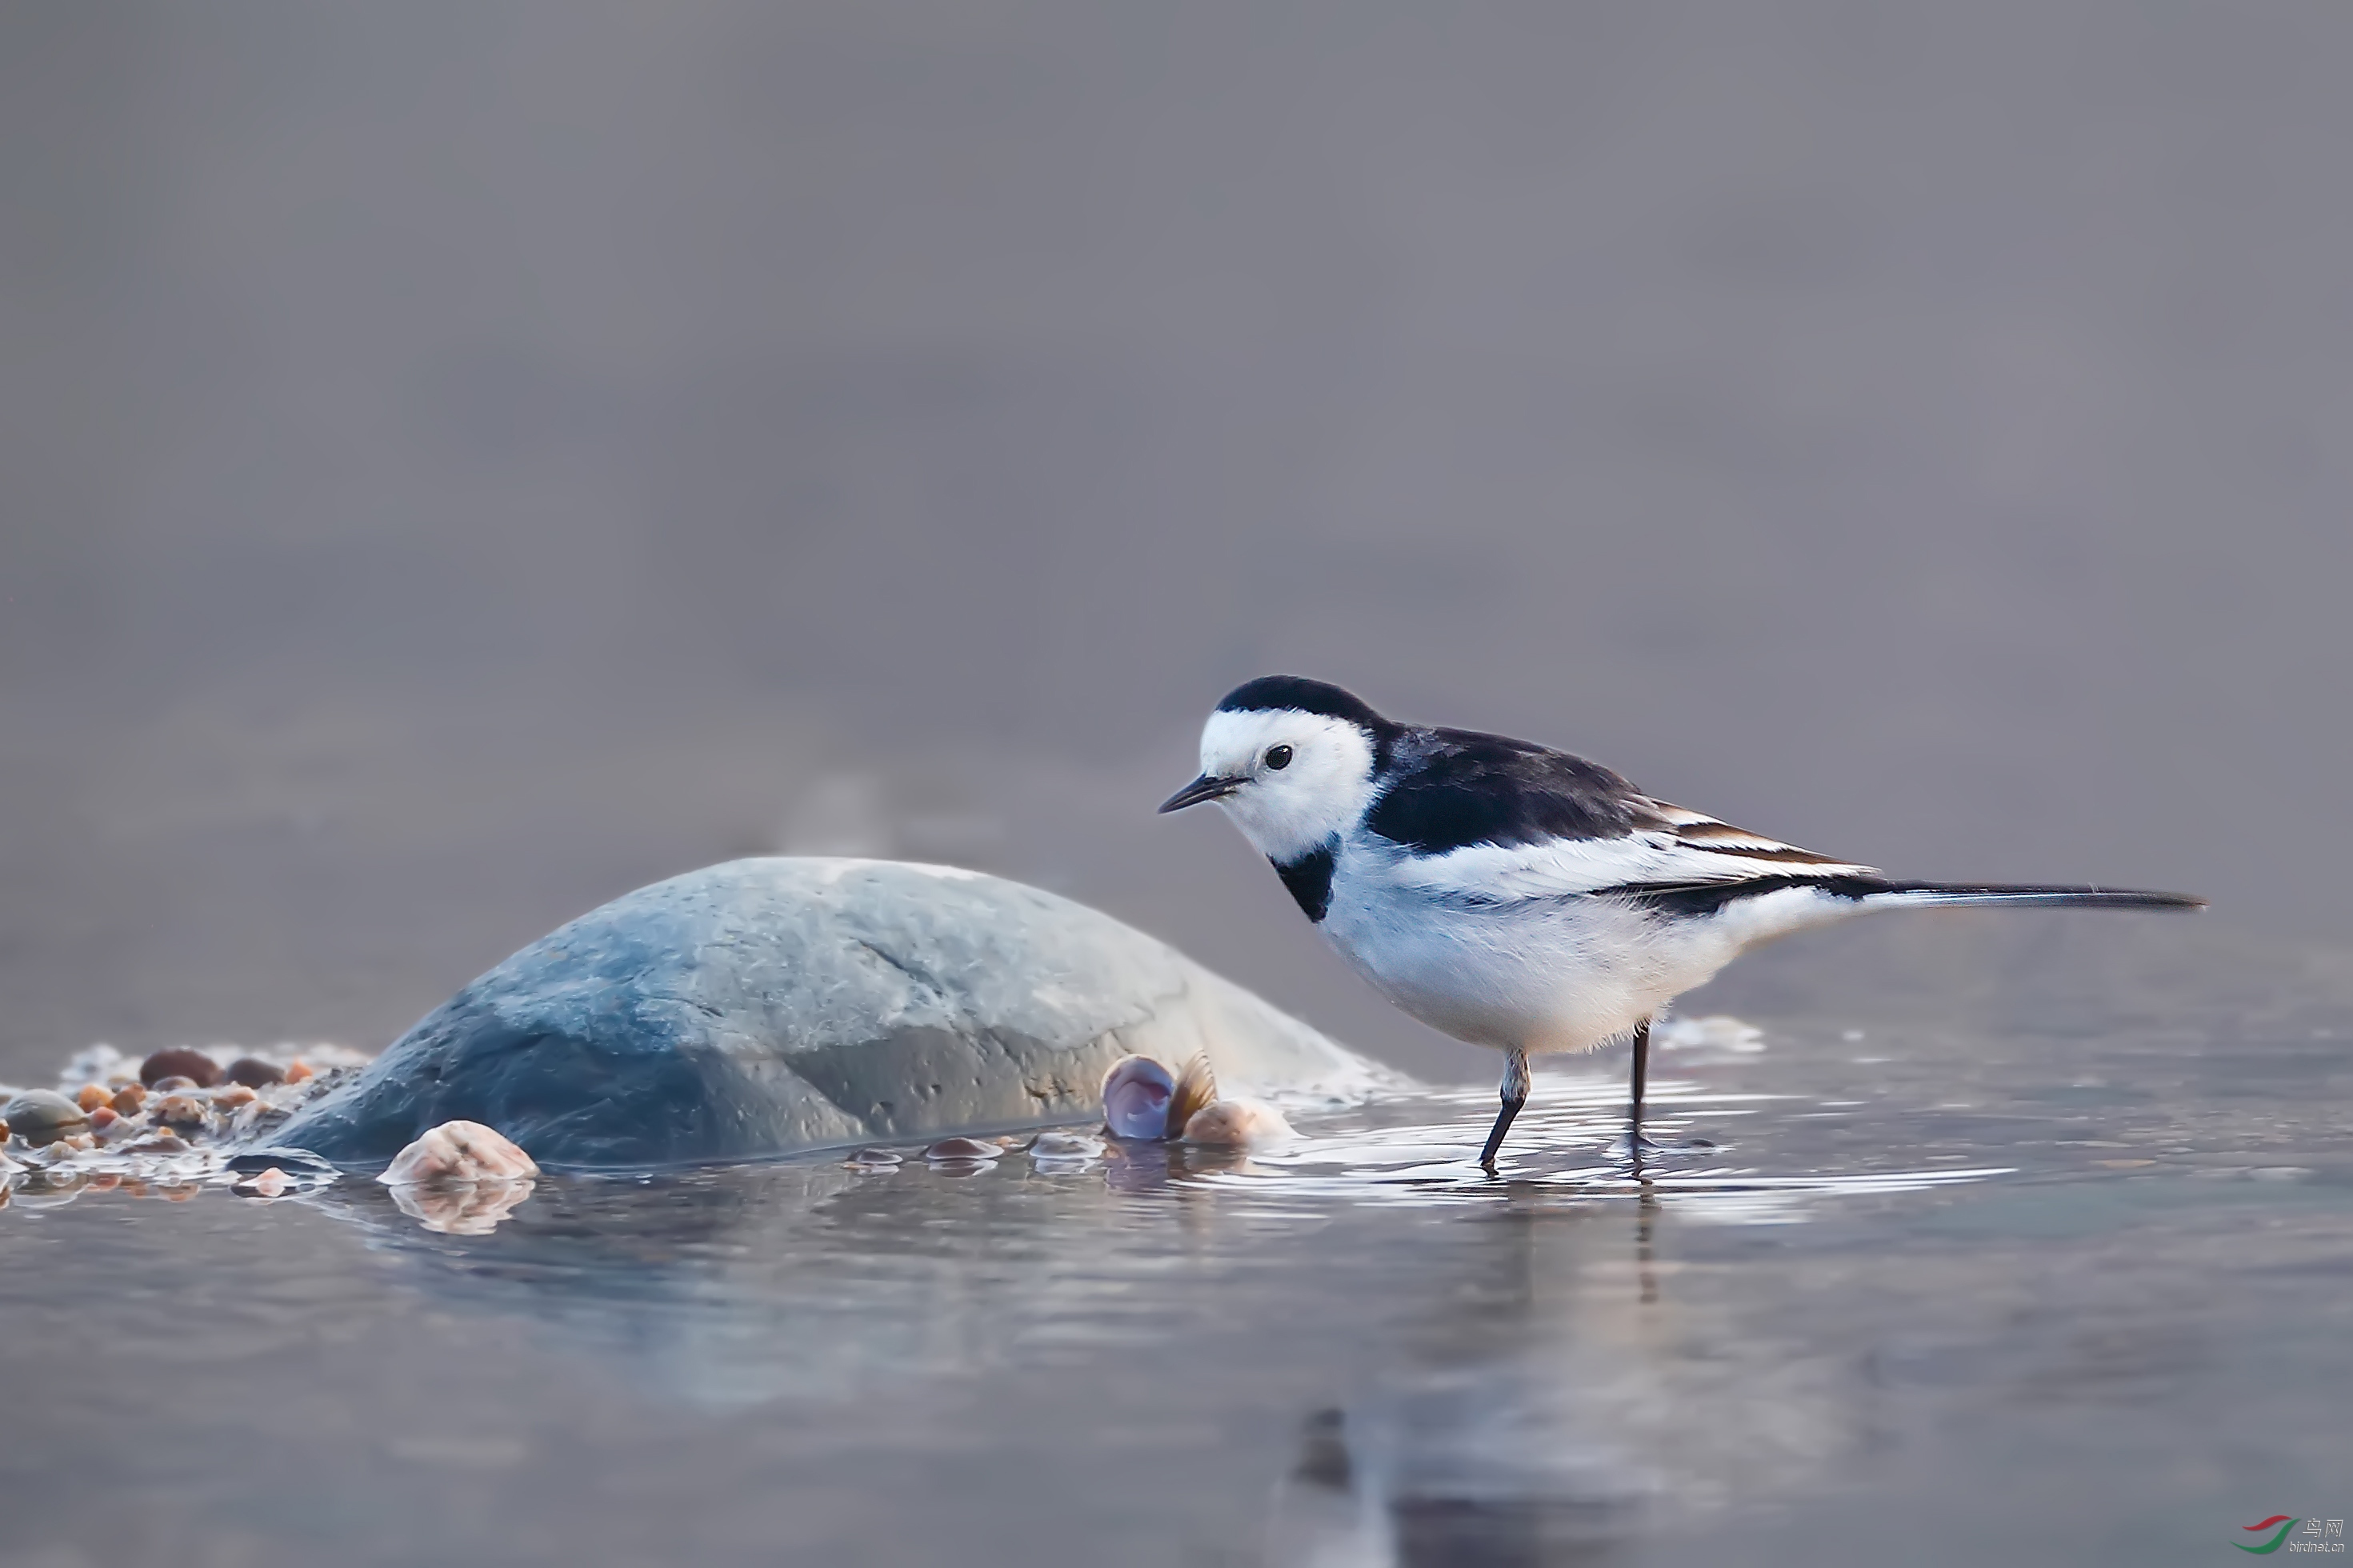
column 1201, row 789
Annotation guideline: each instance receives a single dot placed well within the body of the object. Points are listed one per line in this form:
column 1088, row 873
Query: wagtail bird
column 1517, row 897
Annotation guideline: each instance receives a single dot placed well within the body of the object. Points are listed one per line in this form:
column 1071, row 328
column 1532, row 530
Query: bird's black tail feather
column 2020, row 895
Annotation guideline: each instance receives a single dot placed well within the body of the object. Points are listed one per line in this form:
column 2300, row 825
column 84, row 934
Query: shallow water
column 1963, row 1291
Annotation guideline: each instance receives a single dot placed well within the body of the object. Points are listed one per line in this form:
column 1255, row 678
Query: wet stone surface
column 777, row 1004
column 2048, row 1272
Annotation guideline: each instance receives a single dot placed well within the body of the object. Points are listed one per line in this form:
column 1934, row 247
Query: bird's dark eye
column 1278, row 757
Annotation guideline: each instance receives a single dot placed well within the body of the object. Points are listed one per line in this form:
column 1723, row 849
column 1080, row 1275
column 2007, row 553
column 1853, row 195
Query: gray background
column 458, row 463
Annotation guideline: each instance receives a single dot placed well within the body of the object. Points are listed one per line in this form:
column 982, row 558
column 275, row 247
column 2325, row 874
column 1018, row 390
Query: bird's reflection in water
column 1387, row 1508
column 1582, row 1407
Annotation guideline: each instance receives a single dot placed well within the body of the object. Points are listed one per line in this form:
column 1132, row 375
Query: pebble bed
column 182, row 1120
column 166, row 1126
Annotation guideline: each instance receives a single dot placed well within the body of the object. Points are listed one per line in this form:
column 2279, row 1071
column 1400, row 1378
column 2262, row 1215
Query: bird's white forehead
column 1231, row 741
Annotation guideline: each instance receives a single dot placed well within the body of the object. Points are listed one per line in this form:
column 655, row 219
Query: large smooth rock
column 766, row 1006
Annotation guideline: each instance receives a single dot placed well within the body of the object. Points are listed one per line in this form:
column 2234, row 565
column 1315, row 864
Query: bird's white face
column 1289, row 779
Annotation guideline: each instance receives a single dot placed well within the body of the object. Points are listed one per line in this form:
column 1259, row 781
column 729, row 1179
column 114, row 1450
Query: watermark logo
column 2316, row 1535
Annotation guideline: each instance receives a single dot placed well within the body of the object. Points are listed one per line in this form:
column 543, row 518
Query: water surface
column 1955, row 1291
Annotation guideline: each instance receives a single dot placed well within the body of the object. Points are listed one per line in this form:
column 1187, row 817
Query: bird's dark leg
column 1641, row 1077
column 1635, row 1142
column 1516, row 1094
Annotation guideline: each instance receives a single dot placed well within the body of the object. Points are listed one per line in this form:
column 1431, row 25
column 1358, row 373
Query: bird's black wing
column 1456, row 787
column 1493, row 821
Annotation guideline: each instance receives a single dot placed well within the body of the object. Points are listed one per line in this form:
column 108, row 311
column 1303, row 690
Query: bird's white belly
column 1548, row 975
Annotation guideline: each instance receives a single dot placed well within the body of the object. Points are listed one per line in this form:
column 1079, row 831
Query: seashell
column 1136, row 1098
column 874, row 1159
column 962, row 1149
column 298, row 1162
column 1066, row 1146
column 254, row 1073
column 456, row 1153
column 1236, row 1124
column 1196, row 1087
column 269, row 1183
column 41, row 1116
column 198, row 1068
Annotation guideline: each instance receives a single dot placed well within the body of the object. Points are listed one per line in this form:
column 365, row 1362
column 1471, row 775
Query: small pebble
column 104, row 1117
column 230, row 1096
column 254, row 1073
column 1066, row 1146
column 876, row 1159
column 181, row 1110
column 130, row 1098
column 298, row 1071
column 270, row 1183
column 159, row 1143
column 180, row 1062
column 173, row 1085
column 41, row 1116
column 94, row 1097
column 962, row 1149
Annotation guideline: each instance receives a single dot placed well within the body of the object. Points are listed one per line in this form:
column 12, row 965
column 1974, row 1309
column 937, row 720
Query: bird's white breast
column 1543, row 974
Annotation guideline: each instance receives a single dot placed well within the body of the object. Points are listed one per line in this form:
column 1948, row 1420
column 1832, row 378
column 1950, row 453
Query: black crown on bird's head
column 1276, row 693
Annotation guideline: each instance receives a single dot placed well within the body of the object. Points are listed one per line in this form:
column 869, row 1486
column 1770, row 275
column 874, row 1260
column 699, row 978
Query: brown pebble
column 229, row 1097
column 254, row 1073
column 180, row 1061
column 159, row 1143
column 94, row 1096
column 962, row 1149
column 298, row 1071
column 104, row 1117
column 130, row 1098
column 181, row 1110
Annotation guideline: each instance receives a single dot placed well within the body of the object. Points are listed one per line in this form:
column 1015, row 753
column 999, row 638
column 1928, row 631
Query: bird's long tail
column 2018, row 895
